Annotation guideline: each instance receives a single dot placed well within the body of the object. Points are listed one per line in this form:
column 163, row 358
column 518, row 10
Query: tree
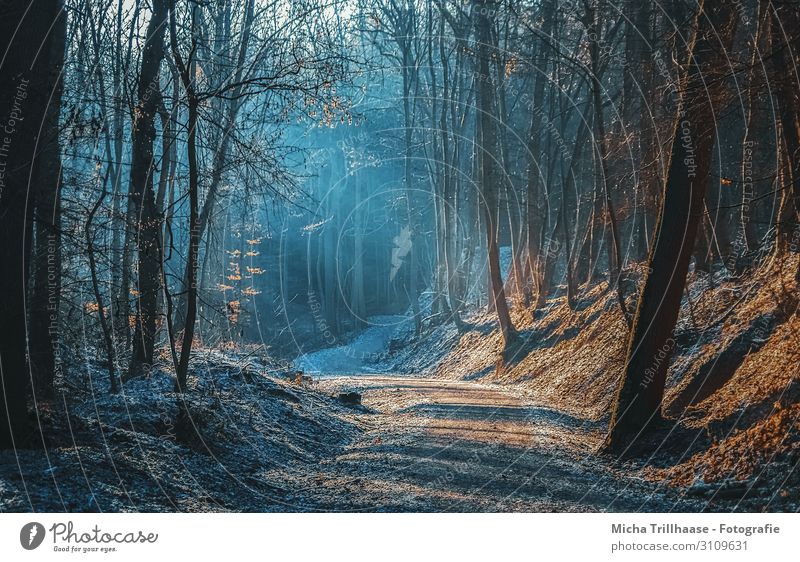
column 638, row 75
column 46, row 294
column 755, row 143
column 188, row 72
column 402, row 19
column 29, row 46
column 786, row 52
column 593, row 24
column 535, row 216
column 638, row 403
column 232, row 104
column 488, row 159
column 146, row 219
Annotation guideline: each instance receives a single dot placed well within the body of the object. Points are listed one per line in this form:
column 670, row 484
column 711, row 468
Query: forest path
column 437, row 445
column 361, row 355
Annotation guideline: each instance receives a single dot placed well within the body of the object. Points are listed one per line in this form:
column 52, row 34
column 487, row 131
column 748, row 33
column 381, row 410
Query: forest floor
column 259, row 441
column 262, row 444
column 434, row 445
column 393, row 422
column 731, row 436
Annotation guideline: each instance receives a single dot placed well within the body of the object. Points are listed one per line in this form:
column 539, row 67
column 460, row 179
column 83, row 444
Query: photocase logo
column 31, row 535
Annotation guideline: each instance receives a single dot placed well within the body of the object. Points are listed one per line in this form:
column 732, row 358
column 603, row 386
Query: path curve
column 438, row 445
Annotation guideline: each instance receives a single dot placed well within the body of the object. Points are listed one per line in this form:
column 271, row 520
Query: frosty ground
column 415, row 444
column 386, row 421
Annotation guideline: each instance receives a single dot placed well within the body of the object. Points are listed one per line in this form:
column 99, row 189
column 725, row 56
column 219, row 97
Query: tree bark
column 46, row 297
column 488, row 159
column 121, row 218
column 146, row 219
column 187, row 71
column 755, row 160
column 108, row 338
column 221, row 150
column 535, row 212
column 650, row 347
column 786, row 49
column 26, row 37
column 616, row 264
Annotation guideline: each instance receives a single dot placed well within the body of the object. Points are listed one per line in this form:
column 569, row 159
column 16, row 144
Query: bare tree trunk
column 357, row 303
column 413, row 258
column 46, row 297
column 146, row 217
column 488, row 181
column 120, row 242
column 702, row 246
column 637, row 48
column 220, row 160
column 188, row 71
column 755, row 147
column 568, row 187
column 641, row 389
column 449, row 183
column 639, row 75
column 786, row 19
column 784, row 218
column 548, row 254
column 615, row 252
column 25, row 31
column 436, row 163
column 534, row 214
column 108, row 338
column 329, row 245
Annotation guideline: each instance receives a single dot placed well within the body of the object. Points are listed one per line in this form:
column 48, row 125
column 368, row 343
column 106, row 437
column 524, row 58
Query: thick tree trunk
column 46, row 297
column 26, row 36
column 146, row 219
column 651, row 344
column 786, row 49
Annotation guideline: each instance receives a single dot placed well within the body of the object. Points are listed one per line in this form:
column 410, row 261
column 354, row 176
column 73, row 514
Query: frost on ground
column 251, row 440
column 434, row 445
column 395, row 422
column 140, row 451
column 365, row 353
column 256, row 438
column 733, row 428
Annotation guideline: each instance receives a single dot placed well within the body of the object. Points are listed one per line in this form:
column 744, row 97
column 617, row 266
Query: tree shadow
column 502, row 413
column 478, row 375
column 665, row 444
column 544, row 337
column 464, row 474
column 713, row 374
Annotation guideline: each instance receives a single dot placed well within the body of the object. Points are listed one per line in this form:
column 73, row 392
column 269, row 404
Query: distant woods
column 268, row 176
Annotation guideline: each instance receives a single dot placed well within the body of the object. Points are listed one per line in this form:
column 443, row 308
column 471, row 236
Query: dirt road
column 434, row 445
